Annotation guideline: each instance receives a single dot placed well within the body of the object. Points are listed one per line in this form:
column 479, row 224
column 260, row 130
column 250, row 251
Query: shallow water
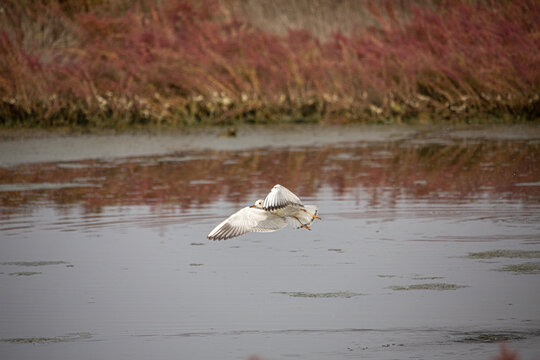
column 107, row 258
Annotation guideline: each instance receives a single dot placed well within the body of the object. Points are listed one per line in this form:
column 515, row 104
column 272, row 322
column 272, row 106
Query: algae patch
column 25, row 273
column 490, row 337
column 427, row 277
column 526, row 268
column 430, row 286
column 522, row 254
column 48, row 340
column 33, row 263
column 339, row 294
column 340, row 251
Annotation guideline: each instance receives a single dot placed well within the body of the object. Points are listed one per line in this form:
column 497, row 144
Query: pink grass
column 184, row 63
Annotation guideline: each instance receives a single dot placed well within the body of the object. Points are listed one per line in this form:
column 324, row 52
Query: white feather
column 280, row 197
column 248, row 219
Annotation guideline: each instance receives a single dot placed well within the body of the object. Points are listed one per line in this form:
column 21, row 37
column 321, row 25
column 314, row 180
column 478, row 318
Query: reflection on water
column 420, row 253
column 462, row 170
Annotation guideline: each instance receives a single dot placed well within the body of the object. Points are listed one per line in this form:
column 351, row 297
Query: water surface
column 428, row 248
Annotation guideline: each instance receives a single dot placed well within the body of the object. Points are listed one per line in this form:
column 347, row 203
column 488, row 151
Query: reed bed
column 128, row 63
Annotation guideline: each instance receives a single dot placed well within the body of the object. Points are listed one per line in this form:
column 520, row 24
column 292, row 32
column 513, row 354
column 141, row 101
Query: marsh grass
column 123, row 64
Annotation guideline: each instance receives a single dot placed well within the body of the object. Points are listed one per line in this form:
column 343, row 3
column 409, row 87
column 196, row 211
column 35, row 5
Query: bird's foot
column 313, row 216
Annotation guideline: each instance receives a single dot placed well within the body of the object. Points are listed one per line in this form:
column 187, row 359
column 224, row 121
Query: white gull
column 280, row 207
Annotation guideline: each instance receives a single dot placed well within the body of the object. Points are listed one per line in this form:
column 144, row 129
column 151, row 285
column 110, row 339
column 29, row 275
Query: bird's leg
column 302, row 225
column 313, row 216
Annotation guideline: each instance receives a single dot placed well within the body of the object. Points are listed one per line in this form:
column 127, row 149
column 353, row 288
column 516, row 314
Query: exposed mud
column 39, row 146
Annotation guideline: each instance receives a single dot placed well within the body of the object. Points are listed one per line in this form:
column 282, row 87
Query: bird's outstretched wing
column 280, row 197
column 247, row 220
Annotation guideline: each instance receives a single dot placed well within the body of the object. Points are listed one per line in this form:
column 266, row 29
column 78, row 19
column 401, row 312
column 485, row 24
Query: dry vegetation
column 124, row 63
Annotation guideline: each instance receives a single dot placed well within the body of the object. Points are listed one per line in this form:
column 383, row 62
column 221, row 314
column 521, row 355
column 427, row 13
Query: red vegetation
column 173, row 62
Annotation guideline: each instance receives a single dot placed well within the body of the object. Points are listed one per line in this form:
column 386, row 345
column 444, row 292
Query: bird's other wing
column 280, row 197
column 247, row 220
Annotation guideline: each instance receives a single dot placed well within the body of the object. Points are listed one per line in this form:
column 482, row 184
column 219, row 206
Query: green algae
column 522, row 254
column 490, row 337
column 430, row 286
column 339, row 294
column 427, row 277
column 33, row 263
column 25, row 273
column 525, row 268
column 48, row 340
column 340, row 251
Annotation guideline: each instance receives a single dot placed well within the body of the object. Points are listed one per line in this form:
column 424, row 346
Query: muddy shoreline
column 31, row 146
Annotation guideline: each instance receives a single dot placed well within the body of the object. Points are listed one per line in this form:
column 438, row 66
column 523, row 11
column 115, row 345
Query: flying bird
column 280, row 208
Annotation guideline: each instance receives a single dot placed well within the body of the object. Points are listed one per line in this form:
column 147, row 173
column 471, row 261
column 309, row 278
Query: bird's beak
column 252, row 206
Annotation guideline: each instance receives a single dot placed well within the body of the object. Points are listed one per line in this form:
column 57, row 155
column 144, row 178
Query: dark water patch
column 195, row 264
column 430, row 286
column 340, row 251
column 339, row 294
column 526, row 268
column 522, row 254
column 47, row 340
column 197, row 244
column 34, row 263
column 25, row 273
column 387, row 276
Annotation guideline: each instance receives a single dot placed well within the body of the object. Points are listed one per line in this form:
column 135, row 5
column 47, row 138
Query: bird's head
column 258, row 204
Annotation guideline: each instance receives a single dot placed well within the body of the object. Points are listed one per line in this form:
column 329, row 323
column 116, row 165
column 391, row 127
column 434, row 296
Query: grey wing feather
column 247, row 220
column 280, row 197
